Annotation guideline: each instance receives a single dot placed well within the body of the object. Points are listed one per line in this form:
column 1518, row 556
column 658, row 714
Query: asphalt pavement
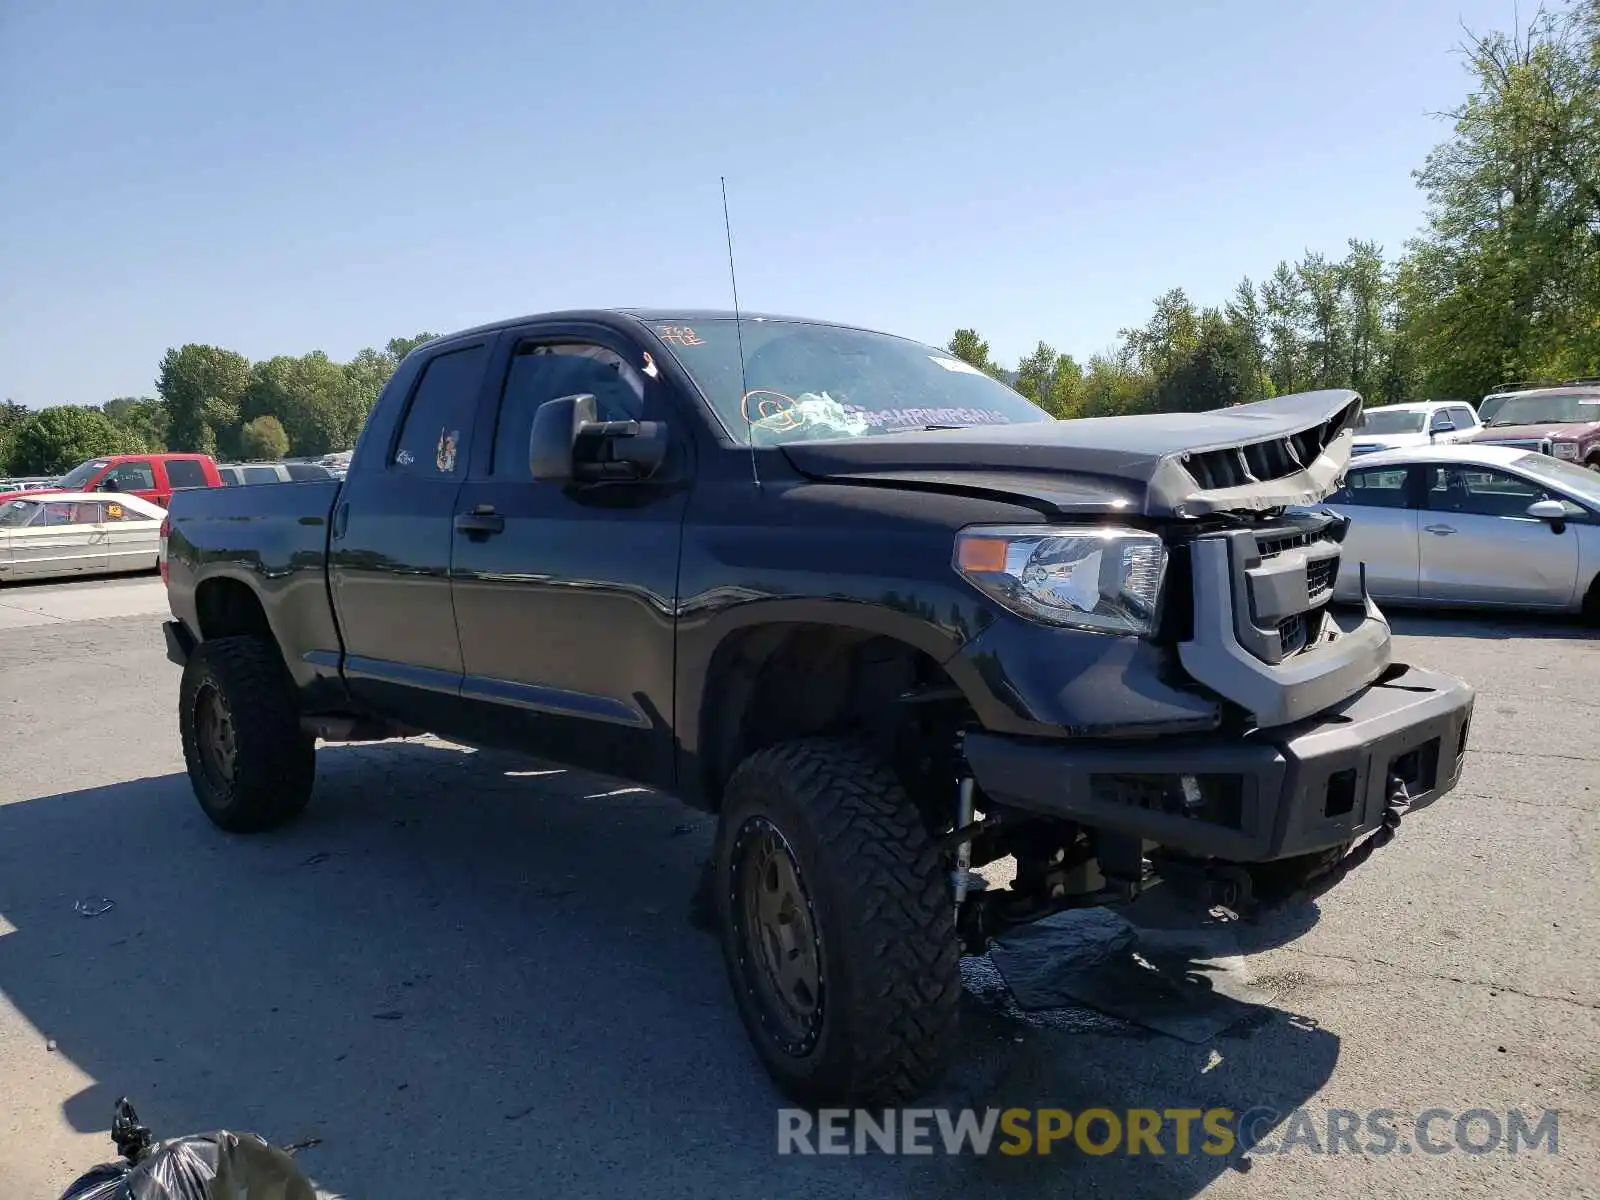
column 472, row 975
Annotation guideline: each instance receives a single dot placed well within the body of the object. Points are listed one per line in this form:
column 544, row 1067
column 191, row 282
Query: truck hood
column 1270, row 454
column 1367, row 443
column 1563, row 431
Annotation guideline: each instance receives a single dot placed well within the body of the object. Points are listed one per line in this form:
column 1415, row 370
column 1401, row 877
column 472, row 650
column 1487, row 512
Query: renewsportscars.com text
column 1168, row 1131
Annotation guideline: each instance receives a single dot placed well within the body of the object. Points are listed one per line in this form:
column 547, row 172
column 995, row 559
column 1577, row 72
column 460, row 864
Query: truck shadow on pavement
column 462, row 971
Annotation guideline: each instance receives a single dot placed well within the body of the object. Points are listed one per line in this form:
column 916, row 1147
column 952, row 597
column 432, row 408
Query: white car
column 1424, row 423
column 1470, row 525
column 78, row 533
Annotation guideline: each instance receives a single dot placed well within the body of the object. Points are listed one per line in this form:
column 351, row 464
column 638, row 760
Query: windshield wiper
column 916, row 429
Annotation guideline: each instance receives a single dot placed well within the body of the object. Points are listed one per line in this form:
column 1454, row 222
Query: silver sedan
column 1471, row 525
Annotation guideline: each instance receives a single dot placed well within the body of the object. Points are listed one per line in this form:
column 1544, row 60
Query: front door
column 565, row 595
column 389, row 549
column 1479, row 546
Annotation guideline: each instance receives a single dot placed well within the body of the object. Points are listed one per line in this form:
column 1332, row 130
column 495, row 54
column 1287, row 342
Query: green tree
column 1506, row 282
column 970, row 348
column 263, row 439
column 54, row 440
column 144, row 417
column 310, row 396
column 12, row 415
column 398, row 348
column 203, row 387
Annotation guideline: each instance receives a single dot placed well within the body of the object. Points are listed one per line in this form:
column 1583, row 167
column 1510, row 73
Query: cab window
column 543, row 371
column 131, row 477
column 432, row 441
column 185, row 473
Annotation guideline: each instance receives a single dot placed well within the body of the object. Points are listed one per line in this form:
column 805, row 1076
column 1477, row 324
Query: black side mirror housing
column 569, row 445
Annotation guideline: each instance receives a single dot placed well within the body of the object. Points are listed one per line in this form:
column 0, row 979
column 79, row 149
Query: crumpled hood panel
column 1271, row 454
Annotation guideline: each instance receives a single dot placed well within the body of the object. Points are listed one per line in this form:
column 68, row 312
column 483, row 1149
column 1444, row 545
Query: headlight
column 1101, row 579
column 1566, row 450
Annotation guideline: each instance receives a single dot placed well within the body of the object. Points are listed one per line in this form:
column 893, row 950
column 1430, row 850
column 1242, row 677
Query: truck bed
column 273, row 539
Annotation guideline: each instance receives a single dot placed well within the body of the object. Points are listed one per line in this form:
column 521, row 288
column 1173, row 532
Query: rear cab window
column 261, row 474
column 432, row 440
column 185, row 473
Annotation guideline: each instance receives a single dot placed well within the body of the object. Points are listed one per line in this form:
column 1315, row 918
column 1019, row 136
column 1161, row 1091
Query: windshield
column 1548, row 410
column 74, row 479
column 1578, row 482
column 803, row 381
column 1382, row 421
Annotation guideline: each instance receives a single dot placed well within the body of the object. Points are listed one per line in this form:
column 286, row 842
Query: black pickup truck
column 886, row 618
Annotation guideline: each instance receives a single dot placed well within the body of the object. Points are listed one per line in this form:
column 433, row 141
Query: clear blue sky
column 278, row 176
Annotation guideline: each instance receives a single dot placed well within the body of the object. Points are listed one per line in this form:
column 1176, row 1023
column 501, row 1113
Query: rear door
column 131, row 538
column 1380, row 502
column 1479, row 546
column 389, row 548
column 66, row 539
column 182, row 473
column 566, row 607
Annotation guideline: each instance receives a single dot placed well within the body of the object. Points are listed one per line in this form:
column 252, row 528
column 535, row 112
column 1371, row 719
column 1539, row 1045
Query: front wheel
column 837, row 925
column 250, row 763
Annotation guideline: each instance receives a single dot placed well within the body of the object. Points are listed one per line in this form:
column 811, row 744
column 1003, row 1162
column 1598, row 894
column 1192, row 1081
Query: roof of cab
column 644, row 316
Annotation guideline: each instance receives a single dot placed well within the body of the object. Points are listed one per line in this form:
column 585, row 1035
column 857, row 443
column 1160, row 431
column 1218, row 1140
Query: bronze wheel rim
column 775, row 927
column 215, row 737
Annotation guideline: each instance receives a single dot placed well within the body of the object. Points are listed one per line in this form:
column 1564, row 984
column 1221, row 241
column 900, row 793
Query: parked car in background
column 78, row 533
column 1562, row 421
column 1423, row 423
column 239, row 474
column 26, row 483
column 1471, row 524
column 151, row 477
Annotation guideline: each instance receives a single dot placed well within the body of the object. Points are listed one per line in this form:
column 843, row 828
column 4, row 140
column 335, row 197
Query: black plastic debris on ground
column 1153, row 964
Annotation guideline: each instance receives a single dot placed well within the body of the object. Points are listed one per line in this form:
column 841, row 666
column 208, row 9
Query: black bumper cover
column 1318, row 784
column 180, row 642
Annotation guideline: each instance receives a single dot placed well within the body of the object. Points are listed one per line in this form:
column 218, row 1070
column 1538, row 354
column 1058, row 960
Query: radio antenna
column 738, row 329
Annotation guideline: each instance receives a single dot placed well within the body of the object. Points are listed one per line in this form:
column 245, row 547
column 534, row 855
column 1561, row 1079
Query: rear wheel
column 250, row 763
column 837, row 925
column 1591, row 603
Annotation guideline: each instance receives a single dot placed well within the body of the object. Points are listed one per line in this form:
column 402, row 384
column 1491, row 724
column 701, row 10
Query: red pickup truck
column 152, row 477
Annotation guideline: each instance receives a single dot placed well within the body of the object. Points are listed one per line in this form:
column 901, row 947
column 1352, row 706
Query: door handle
column 482, row 519
column 1440, row 530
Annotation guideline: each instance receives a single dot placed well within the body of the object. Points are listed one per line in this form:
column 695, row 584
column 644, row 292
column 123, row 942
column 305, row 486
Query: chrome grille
column 1542, row 445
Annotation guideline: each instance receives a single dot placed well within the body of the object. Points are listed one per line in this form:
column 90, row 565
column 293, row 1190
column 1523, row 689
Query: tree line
column 1502, row 284
column 215, row 401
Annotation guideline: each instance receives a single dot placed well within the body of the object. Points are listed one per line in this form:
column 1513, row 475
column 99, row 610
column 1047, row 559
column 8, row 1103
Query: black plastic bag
column 201, row 1166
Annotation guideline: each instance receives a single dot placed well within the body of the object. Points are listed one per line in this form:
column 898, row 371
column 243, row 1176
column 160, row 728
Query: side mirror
column 1441, row 424
column 567, row 444
column 1554, row 510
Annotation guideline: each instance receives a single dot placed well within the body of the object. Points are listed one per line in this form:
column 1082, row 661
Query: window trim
column 486, row 344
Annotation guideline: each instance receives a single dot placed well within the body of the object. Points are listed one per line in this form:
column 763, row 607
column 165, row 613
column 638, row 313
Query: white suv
column 1395, row 425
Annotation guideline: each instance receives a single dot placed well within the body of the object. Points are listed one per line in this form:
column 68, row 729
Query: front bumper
column 1315, row 785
